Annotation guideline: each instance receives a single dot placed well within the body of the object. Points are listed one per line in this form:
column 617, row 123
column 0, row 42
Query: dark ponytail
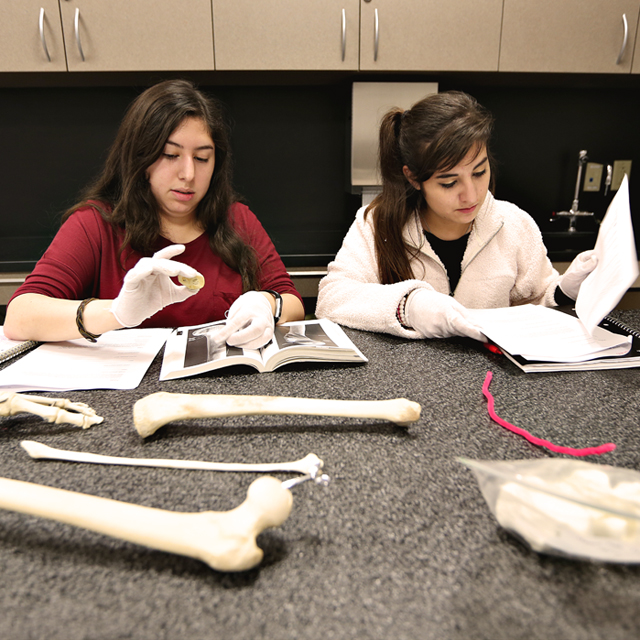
column 395, row 204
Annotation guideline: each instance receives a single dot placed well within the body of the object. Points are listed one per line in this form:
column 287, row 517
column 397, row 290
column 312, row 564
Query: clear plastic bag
column 565, row 507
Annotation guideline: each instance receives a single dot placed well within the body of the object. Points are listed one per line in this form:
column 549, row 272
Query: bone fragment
column 42, row 451
column 225, row 540
column 195, row 283
column 53, row 410
column 155, row 410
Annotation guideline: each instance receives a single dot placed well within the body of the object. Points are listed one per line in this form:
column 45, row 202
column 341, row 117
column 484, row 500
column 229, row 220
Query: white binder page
column 118, row 360
column 617, row 266
column 541, row 333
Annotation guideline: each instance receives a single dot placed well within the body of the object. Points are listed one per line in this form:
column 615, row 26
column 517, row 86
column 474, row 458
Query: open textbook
column 193, row 350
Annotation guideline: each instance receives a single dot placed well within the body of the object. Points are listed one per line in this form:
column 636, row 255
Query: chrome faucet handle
column 572, row 217
column 573, row 214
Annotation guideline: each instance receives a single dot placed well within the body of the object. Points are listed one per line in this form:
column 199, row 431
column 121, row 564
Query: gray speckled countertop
column 400, row 545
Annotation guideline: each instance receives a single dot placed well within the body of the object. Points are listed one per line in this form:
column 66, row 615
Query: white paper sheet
column 617, row 266
column 541, row 333
column 118, row 360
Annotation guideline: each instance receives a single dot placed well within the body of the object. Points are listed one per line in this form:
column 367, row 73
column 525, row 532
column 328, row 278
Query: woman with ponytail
column 165, row 191
column 435, row 242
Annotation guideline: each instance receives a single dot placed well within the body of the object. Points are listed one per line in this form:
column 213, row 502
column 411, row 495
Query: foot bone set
column 226, row 541
column 59, row 411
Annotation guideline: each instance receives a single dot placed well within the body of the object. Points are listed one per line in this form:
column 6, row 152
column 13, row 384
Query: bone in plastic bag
column 565, row 507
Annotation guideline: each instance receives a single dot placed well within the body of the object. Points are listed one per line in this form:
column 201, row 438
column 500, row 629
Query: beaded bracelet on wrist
column 400, row 315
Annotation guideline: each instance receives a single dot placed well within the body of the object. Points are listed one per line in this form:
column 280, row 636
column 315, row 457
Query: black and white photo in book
column 202, row 345
column 194, row 350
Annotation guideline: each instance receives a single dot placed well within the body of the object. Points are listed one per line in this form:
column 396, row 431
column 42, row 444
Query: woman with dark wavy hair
column 165, row 191
column 435, row 241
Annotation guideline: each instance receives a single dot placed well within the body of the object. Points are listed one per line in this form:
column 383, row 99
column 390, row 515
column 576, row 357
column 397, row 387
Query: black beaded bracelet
column 400, row 315
column 278, row 298
column 87, row 335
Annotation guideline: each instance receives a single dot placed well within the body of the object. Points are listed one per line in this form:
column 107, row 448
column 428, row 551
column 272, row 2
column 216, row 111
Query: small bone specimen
column 54, row 410
column 197, row 282
column 306, row 465
column 155, row 410
column 225, row 540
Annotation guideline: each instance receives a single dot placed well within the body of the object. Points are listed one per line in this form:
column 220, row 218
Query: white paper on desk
column 542, row 333
column 617, row 262
column 118, row 360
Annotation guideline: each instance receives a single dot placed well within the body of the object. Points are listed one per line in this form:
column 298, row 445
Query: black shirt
column 450, row 253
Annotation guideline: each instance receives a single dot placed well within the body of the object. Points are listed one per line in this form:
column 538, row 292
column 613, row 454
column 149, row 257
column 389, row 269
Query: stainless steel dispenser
column 371, row 100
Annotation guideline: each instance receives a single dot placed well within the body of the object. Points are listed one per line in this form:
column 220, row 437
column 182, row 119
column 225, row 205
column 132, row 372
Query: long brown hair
column 123, row 186
column 434, row 135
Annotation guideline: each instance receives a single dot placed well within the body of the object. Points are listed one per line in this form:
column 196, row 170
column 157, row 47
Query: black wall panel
column 291, row 153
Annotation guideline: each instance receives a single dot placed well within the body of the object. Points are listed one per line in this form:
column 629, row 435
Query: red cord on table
column 589, row 451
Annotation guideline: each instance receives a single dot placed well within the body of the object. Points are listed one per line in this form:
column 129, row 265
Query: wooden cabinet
column 286, row 35
column 31, row 36
column 138, row 35
column 572, row 36
column 430, row 35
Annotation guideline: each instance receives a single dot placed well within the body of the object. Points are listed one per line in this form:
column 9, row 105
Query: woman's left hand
column 249, row 322
column 583, row 264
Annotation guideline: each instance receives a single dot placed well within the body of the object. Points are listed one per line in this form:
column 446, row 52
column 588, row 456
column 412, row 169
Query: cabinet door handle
column 625, row 31
column 344, row 34
column 42, row 37
column 376, row 34
column 76, row 27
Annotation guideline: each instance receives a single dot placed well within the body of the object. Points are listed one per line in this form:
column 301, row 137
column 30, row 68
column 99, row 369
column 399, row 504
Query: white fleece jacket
column 505, row 264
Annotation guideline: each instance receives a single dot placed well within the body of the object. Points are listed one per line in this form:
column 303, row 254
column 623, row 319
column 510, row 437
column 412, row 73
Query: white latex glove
column 436, row 315
column 147, row 287
column 581, row 266
column 249, row 322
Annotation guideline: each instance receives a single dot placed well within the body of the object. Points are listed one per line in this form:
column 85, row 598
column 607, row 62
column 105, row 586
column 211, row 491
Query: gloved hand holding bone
column 581, row 266
column 147, row 287
column 436, row 315
column 249, row 322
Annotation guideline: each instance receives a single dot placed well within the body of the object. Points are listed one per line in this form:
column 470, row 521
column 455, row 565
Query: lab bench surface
column 400, row 545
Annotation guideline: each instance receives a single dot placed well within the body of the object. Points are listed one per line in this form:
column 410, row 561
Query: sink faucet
column 574, row 212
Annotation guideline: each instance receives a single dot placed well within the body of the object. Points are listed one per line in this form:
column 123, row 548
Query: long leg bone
column 53, row 410
column 38, row 450
column 225, row 540
column 153, row 411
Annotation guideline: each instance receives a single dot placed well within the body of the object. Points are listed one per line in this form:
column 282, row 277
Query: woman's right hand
column 147, row 287
column 436, row 315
